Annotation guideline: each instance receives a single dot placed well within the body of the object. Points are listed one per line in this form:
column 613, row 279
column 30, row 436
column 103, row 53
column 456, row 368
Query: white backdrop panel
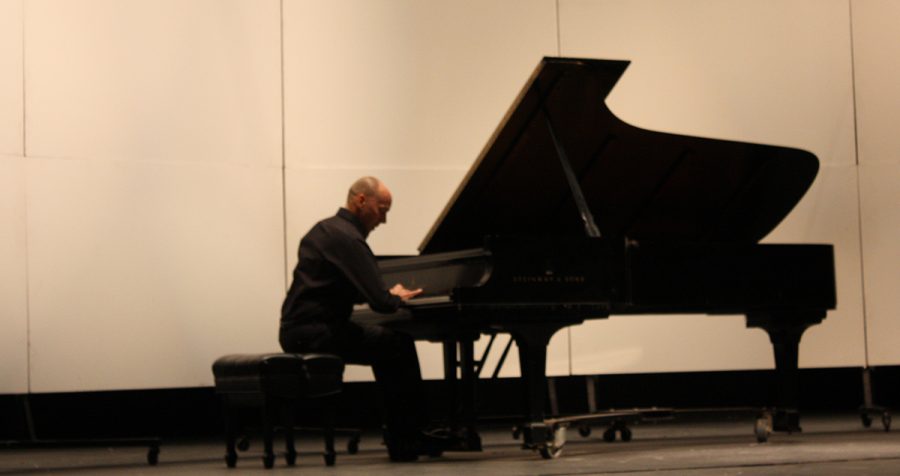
column 876, row 42
column 876, row 55
column 881, row 259
column 673, row 343
column 166, row 80
column 405, row 84
column 13, row 273
column 141, row 273
column 772, row 71
column 11, row 122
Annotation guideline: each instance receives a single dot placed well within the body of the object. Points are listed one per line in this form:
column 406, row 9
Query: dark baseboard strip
column 195, row 412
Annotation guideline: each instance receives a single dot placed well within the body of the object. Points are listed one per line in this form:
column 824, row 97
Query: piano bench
column 276, row 383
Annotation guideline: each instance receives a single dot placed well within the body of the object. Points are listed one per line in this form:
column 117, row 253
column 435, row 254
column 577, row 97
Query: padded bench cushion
column 279, row 375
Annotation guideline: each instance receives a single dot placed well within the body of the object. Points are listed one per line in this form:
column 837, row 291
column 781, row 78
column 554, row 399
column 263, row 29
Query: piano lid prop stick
column 586, row 216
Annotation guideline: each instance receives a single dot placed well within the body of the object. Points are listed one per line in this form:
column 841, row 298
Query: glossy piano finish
column 727, row 278
column 531, row 289
column 554, row 282
column 571, row 214
column 526, row 279
column 638, row 184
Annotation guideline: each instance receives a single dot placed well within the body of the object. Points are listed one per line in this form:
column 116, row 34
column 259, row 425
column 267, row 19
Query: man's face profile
column 373, row 209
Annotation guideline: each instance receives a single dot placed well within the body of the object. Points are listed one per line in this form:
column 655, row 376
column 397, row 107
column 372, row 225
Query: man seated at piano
column 335, row 270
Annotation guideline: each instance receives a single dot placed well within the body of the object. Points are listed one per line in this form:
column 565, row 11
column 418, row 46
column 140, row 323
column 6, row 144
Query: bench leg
column 328, row 431
column 290, row 412
column 267, row 421
column 230, row 434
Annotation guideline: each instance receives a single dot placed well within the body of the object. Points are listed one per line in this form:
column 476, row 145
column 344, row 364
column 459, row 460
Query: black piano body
column 571, row 214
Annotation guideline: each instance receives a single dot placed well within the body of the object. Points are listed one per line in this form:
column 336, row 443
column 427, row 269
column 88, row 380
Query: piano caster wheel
column 866, row 420
column 516, row 432
column 886, row 421
column 550, row 451
column 231, row 459
column 762, row 429
column 584, row 431
column 553, row 448
column 329, row 458
column 609, row 435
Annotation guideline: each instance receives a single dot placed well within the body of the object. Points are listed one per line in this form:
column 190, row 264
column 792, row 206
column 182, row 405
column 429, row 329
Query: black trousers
column 391, row 354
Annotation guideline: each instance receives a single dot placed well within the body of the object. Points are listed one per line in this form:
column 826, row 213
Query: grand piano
column 570, row 214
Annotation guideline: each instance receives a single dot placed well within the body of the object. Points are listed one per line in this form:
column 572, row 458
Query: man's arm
column 355, row 260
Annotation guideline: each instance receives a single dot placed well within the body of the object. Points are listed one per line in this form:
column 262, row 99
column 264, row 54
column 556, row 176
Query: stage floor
column 829, row 444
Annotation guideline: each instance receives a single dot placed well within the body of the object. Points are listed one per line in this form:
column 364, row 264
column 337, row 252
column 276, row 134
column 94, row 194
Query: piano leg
column 462, row 392
column 532, row 340
column 450, row 381
column 785, row 330
column 470, row 438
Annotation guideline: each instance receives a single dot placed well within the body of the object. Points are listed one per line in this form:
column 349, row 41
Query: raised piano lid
column 638, row 184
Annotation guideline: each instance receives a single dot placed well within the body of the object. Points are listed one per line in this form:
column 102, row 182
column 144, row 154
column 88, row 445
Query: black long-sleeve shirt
column 336, row 269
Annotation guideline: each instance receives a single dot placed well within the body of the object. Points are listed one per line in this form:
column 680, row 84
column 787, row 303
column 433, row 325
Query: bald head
column 370, row 200
column 367, row 186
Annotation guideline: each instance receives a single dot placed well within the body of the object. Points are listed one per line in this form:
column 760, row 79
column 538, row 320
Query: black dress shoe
column 434, row 443
column 423, row 443
column 402, row 449
column 402, row 454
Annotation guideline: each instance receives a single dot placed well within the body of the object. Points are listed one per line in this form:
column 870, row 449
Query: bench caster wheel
column 353, row 445
column 153, row 455
column 243, row 444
